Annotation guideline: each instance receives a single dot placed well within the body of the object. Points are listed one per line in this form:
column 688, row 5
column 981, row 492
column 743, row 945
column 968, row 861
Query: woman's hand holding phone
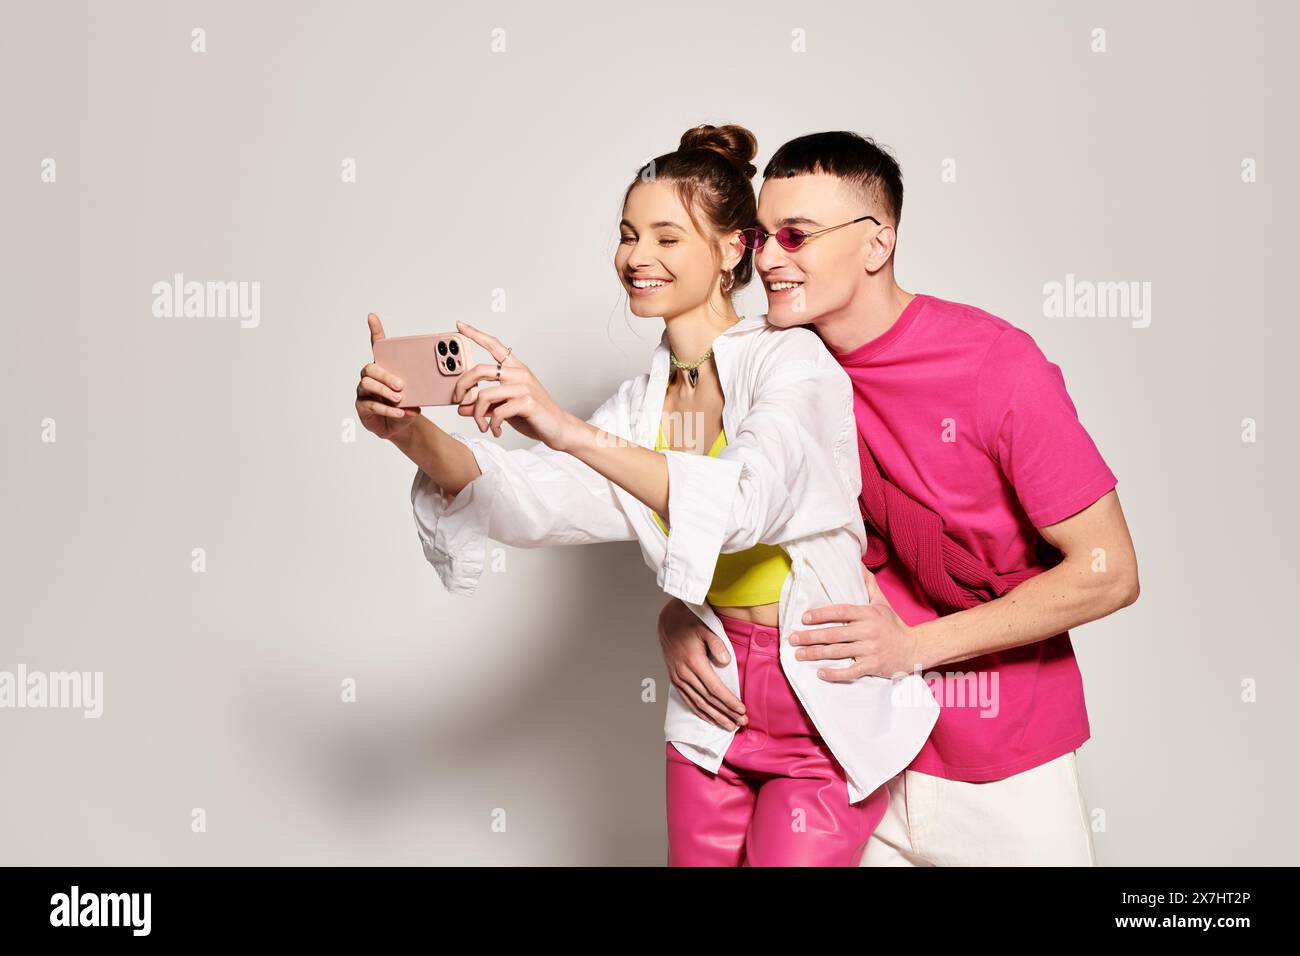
column 379, row 395
column 519, row 399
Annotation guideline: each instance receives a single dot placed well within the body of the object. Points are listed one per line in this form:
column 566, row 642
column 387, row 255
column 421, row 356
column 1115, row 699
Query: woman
column 750, row 528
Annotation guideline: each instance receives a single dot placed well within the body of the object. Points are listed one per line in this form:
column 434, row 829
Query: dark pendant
column 694, row 376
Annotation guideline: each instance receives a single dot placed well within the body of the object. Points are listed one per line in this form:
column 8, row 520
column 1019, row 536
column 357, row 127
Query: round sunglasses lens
column 790, row 238
column 753, row 239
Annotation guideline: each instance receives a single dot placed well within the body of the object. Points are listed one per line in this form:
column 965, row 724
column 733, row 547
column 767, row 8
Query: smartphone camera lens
column 451, row 364
column 442, row 348
column 454, row 346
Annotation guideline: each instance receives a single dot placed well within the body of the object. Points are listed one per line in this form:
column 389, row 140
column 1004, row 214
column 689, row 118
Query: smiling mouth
column 648, row 285
column 783, row 287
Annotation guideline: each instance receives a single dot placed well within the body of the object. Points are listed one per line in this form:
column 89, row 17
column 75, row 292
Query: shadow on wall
column 565, row 745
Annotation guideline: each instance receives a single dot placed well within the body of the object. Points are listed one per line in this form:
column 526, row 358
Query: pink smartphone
column 428, row 365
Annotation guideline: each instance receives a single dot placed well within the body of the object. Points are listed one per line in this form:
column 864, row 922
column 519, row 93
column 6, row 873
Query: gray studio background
column 478, row 171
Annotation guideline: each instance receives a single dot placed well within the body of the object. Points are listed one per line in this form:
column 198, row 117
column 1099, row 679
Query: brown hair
column 711, row 169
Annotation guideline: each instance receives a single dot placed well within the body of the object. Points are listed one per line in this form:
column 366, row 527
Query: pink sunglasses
column 789, row 237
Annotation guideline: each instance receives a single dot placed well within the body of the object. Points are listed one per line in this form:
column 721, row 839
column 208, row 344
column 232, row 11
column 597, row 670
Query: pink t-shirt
column 964, row 413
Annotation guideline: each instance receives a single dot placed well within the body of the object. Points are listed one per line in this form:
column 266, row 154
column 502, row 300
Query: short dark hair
column 856, row 159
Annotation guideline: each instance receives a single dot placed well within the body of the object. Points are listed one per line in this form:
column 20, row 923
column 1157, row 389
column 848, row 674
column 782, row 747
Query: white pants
column 1034, row 818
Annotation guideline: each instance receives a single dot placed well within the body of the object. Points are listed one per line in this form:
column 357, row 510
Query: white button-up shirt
column 789, row 476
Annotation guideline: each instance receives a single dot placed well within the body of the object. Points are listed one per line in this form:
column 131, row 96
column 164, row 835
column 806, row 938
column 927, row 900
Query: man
column 994, row 521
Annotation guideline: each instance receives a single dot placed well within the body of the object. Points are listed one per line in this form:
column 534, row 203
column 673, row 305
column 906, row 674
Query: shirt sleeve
column 789, row 472
column 1029, row 425
column 526, row 498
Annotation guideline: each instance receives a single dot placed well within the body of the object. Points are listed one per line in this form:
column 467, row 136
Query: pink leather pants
column 779, row 798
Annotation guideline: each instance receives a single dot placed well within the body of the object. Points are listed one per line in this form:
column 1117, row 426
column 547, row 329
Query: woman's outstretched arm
column 469, row 490
column 790, row 471
column 449, row 463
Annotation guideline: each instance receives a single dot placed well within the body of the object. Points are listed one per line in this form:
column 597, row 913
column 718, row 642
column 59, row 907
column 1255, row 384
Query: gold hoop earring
column 728, row 281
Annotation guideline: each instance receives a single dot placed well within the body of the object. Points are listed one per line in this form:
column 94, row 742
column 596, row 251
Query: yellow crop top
column 742, row 578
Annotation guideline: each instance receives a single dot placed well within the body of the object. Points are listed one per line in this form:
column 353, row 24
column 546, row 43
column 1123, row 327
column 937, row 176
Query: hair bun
column 735, row 144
